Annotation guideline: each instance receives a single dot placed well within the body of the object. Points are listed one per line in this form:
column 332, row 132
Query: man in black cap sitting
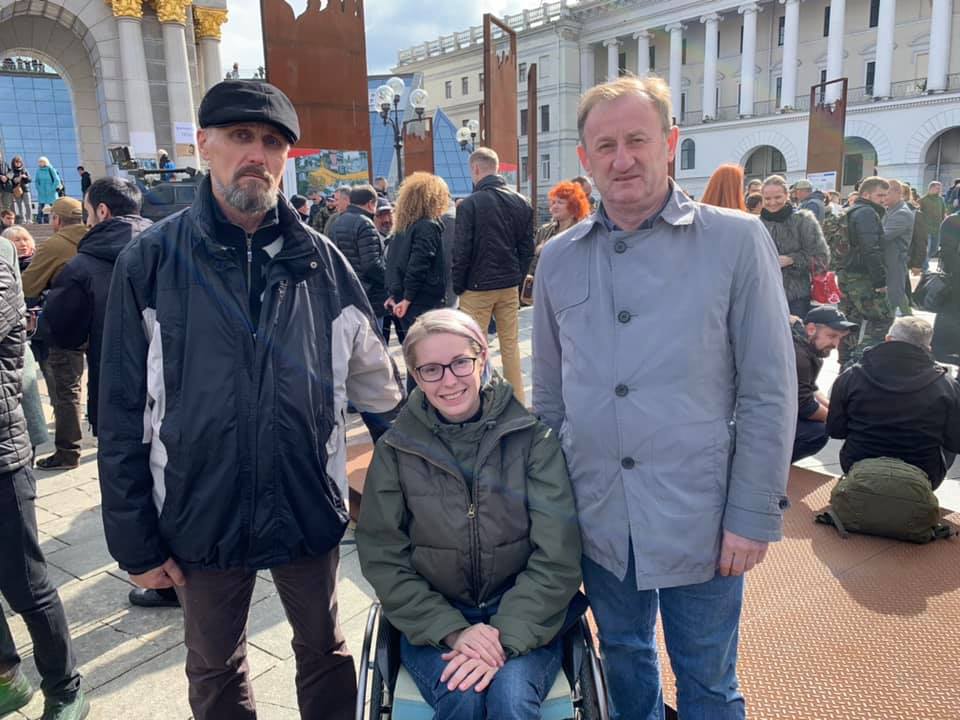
column 815, row 338
column 898, row 403
column 234, row 334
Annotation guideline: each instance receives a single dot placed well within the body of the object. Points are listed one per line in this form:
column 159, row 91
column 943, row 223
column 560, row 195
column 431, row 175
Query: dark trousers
column 28, row 591
column 63, row 371
column 407, row 321
column 215, row 608
column 810, row 439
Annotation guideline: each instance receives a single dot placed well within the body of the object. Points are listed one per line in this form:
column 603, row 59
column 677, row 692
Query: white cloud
column 392, row 25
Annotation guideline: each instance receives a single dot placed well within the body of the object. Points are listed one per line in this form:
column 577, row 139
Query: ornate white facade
column 136, row 70
column 740, row 74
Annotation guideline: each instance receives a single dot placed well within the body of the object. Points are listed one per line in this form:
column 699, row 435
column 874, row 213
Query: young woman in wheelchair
column 468, row 531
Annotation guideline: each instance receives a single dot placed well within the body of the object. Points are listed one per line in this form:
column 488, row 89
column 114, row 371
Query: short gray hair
column 913, row 330
column 486, row 159
column 650, row 88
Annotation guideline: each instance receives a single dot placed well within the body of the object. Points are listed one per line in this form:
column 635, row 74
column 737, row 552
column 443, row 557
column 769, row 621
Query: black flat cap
column 239, row 101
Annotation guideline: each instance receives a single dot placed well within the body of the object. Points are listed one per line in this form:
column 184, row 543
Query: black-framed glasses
column 461, row 367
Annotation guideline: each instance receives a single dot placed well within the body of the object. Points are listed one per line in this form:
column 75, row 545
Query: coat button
column 313, row 264
column 621, row 390
column 619, row 247
column 627, row 463
column 623, row 316
column 784, row 503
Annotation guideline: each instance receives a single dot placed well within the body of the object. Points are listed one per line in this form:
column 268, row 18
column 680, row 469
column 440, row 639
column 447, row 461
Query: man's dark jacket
column 15, row 449
column 357, row 238
column 817, row 204
column 896, row 403
column 865, row 227
column 85, row 182
column 494, row 244
column 222, row 444
column 808, row 369
column 415, row 265
column 76, row 304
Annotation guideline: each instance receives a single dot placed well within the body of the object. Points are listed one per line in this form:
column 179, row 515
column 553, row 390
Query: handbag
column 824, row 288
column 933, row 291
column 17, row 191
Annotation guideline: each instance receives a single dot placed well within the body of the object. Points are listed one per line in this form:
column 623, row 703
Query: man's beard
column 249, row 198
column 825, row 353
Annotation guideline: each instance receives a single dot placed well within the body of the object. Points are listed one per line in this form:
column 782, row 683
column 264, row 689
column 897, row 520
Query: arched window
column 688, row 154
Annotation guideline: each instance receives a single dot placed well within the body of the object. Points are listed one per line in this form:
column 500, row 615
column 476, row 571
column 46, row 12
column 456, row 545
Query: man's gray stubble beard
column 247, row 202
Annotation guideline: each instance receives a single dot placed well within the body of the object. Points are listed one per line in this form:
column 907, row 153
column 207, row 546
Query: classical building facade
column 135, row 72
column 740, row 75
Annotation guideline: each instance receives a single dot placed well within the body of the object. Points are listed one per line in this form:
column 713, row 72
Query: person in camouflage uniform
column 862, row 277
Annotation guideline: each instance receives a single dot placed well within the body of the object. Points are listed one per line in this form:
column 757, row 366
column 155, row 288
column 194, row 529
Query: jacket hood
column 105, row 240
column 497, row 397
column 900, row 367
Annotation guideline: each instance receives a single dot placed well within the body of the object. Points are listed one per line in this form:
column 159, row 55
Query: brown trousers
column 63, row 371
column 215, row 608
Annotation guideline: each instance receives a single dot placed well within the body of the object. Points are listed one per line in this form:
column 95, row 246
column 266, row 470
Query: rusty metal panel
column 417, row 146
column 302, row 52
column 533, row 136
column 826, row 131
column 500, row 131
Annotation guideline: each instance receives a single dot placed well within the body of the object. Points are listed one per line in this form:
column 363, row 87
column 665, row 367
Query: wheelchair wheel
column 591, row 686
column 371, row 674
column 379, row 710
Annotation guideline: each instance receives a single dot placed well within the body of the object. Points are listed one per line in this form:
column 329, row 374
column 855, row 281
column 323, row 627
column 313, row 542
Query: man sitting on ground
column 814, row 339
column 897, row 402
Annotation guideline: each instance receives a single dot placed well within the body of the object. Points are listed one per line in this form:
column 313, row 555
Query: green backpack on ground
column 886, row 497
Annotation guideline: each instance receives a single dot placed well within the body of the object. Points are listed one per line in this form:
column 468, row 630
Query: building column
column 838, row 11
column 643, row 52
column 173, row 17
column 748, row 58
column 939, row 60
column 883, row 69
column 142, row 138
column 791, row 43
column 613, row 59
column 588, row 68
column 710, row 22
column 207, row 22
column 676, row 65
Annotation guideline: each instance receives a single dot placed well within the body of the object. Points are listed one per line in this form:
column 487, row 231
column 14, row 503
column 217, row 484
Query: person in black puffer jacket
column 946, row 329
column 357, row 238
column 491, row 255
column 25, row 584
column 76, row 304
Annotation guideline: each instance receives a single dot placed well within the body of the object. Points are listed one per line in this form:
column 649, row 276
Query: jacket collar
column 490, row 181
column 677, row 210
column 357, row 210
column 880, row 210
column 300, row 253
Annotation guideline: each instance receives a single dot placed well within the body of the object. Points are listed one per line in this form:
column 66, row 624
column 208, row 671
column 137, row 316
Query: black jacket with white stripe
column 223, row 444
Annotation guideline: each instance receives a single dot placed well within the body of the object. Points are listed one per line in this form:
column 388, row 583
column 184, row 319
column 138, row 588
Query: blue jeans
column 701, row 628
column 810, row 439
column 516, row 692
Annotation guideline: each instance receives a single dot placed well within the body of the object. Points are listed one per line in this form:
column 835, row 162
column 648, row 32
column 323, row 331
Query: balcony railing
column 855, row 96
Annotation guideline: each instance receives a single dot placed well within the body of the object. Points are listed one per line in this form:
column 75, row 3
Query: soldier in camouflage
column 862, row 277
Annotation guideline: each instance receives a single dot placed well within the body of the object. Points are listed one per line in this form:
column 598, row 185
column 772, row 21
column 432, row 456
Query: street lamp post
column 388, row 99
column 467, row 135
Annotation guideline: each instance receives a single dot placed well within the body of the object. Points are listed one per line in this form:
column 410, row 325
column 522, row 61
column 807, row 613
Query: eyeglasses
column 461, row 367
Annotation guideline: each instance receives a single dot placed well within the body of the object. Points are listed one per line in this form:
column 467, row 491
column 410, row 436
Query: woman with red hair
column 725, row 188
column 568, row 206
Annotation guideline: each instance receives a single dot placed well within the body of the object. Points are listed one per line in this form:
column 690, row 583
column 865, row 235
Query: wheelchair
column 578, row 693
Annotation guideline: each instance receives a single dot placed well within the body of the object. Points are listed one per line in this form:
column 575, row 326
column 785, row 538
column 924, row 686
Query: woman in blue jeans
column 468, row 531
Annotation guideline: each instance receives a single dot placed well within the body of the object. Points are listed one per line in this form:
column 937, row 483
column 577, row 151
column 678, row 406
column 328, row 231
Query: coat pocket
column 446, row 569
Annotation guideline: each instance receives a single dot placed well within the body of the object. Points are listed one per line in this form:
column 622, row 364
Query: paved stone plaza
column 132, row 659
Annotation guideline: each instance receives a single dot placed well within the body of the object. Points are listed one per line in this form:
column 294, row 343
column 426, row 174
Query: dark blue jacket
column 76, row 304
column 223, row 444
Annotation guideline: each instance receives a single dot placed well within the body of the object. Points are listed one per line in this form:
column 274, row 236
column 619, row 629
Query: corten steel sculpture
column 533, row 136
column 333, row 115
column 826, row 131
column 499, row 116
column 417, row 146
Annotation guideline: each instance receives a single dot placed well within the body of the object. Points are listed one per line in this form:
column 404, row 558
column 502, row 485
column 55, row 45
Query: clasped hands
column 475, row 657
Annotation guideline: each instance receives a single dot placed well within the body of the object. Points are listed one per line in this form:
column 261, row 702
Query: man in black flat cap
column 234, row 334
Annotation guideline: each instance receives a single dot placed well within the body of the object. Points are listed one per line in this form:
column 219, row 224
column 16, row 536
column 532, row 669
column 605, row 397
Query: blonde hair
column 18, row 232
column 444, row 320
column 485, row 158
column 422, row 195
column 650, row 88
column 777, row 180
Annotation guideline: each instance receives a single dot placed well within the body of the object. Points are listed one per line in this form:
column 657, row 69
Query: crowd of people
column 226, row 346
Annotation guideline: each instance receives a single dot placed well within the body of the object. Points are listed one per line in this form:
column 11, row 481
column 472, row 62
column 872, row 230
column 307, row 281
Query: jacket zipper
column 250, row 269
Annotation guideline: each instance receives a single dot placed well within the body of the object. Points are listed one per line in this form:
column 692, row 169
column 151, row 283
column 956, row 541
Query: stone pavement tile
column 153, row 690
column 276, row 690
column 85, row 559
column 44, row 516
column 49, row 482
column 69, row 501
column 50, row 544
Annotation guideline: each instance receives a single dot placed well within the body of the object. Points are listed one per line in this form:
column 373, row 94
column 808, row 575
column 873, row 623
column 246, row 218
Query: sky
column 392, row 25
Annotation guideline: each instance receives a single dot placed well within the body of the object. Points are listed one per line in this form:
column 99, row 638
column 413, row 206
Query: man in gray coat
column 897, row 236
column 675, row 401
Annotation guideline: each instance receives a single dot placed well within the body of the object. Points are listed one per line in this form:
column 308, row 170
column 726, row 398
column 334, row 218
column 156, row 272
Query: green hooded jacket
column 469, row 514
